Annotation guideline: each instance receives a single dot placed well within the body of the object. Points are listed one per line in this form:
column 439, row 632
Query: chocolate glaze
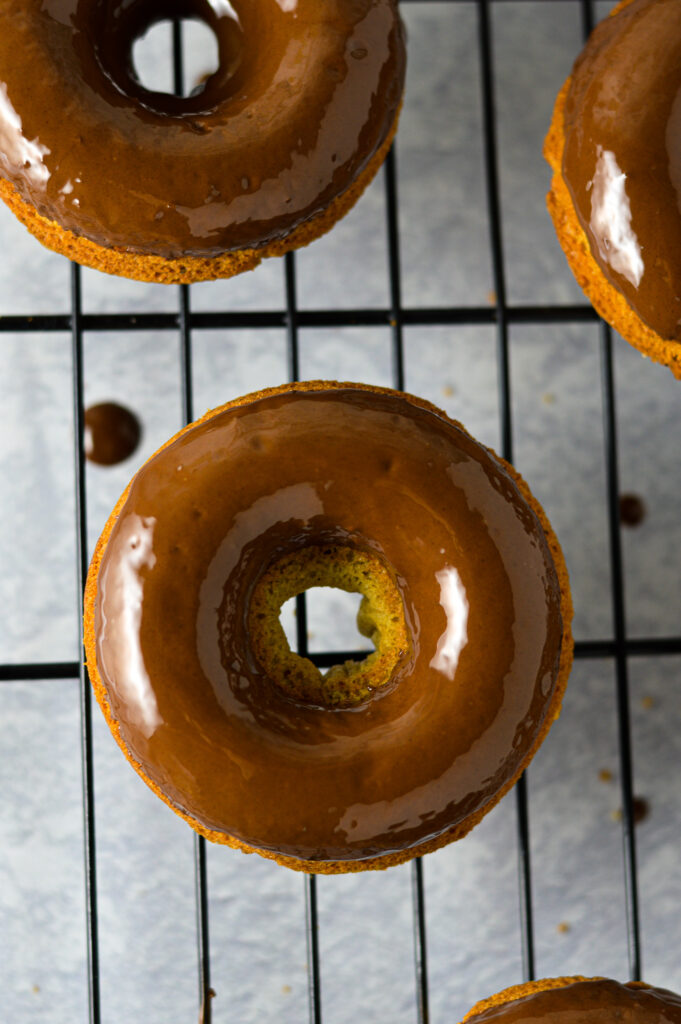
column 202, row 521
column 304, row 95
column 623, row 117
column 632, row 510
column 112, row 433
column 589, row 1002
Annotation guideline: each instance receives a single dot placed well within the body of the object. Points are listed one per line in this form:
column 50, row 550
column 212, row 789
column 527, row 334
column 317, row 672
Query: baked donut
column 574, row 1000
column 263, row 157
column 465, row 596
column 615, row 149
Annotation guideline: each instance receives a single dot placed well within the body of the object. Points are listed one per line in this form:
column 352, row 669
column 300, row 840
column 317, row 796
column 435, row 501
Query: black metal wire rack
column 184, row 322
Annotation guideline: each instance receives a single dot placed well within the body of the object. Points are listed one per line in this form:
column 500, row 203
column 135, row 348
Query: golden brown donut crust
column 509, row 995
column 187, row 269
column 606, row 300
column 376, row 863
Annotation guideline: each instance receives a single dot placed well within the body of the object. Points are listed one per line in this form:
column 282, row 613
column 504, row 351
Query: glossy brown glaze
column 112, row 433
column 622, row 156
column 595, row 1001
column 303, row 97
column 366, row 468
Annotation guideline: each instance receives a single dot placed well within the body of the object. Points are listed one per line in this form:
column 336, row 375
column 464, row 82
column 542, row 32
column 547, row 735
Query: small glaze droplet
column 632, row 510
column 112, row 433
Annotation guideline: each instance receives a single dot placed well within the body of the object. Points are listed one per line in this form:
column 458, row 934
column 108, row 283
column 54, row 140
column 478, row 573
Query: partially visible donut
column 574, row 1000
column 465, row 595
column 275, row 146
column 615, row 149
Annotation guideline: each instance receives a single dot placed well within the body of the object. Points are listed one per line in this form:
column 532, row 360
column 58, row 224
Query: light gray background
column 144, row 853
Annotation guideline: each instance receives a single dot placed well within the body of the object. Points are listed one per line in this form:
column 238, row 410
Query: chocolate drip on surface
column 112, row 433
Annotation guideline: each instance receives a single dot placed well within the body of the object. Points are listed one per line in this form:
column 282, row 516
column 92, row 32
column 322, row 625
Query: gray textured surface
column 146, row 899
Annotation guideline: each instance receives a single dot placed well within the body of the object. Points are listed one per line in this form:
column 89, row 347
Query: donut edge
column 387, row 860
column 509, row 995
column 189, row 269
column 608, row 302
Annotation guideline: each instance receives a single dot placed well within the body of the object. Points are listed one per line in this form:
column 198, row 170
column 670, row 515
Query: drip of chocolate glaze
column 112, row 433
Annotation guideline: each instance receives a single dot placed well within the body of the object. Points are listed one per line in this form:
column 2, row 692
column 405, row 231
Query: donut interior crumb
column 380, row 618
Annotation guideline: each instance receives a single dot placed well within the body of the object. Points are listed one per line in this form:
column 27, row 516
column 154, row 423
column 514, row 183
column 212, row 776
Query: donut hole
column 380, row 618
column 152, row 56
column 331, row 614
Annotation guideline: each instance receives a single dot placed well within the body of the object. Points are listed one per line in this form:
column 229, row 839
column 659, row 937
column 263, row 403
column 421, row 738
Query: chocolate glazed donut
column 323, row 779
column 264, row 156
column 614, row 146
column 577, row 1000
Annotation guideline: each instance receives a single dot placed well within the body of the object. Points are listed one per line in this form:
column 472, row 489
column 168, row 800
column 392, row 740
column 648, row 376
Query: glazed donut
column 574, row 1000
column 465, row 595
column 271, row 150
column 615, row 149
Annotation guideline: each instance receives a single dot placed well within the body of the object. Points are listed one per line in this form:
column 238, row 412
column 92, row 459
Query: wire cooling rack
column 396, row 317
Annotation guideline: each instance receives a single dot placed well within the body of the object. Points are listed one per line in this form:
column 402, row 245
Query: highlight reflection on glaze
column 262, row 479
column 455, row 637
column 290, row 110
column 611, row 219
column 18, row 151
column 123, row 596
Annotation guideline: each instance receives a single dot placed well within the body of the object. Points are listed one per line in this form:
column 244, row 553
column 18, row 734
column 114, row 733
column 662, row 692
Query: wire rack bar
column 414, row 316
column 186, row 377
column 203, row 936
column 291, row 318
column 313, row 957
column 187, row 397
column 621, row 667
column 200, row 868
column 38, row 671
column 495, row 231
column 619, row 622
column 393, row 237
column 420, row 941
column 397, row 352
column 584, row 650
column 506, row 424
column 87, row 759
column 310, row 881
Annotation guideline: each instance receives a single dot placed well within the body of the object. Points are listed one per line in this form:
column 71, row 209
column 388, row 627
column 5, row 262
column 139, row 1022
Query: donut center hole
column 330, row 620
column 369, row 591
column 153, row 57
